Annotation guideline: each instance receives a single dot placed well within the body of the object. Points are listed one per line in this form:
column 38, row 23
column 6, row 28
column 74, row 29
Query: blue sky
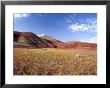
column 62, row 26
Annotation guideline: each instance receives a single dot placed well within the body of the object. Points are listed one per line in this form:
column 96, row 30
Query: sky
column 62, row 26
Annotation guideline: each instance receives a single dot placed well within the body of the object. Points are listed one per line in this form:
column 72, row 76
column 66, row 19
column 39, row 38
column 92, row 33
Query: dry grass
column 54, row 61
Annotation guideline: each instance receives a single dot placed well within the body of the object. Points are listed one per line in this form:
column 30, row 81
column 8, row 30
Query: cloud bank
column 88, row 25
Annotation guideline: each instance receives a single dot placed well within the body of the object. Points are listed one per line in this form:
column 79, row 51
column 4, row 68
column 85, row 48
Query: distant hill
column 78, row 44
column 28, row 39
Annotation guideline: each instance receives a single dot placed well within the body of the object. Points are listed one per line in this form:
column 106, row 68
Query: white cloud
column 69, row 21
column 41, row 35
column 19, row 15
column 90, row 40
column 70, row 18
column 88, row 25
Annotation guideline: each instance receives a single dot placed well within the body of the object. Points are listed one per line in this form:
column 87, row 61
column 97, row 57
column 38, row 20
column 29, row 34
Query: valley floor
column 55, row 61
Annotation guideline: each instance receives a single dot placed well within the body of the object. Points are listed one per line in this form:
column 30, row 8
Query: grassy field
column 54, row 61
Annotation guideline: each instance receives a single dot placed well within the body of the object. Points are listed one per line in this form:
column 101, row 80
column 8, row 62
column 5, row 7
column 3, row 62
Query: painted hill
column 28, row 39
column 78, row 44
column 54, row 41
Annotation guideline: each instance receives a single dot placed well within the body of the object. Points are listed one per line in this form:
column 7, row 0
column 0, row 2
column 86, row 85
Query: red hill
column 54, row 41
column 77, row 44
column 28, row 39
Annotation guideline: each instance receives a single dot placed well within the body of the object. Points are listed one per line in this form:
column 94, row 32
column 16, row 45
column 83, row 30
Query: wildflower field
column 54, row 61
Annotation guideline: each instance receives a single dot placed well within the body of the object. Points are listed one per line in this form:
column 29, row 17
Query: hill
column 28, row 39
column 78, row 44
column 54, row 41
